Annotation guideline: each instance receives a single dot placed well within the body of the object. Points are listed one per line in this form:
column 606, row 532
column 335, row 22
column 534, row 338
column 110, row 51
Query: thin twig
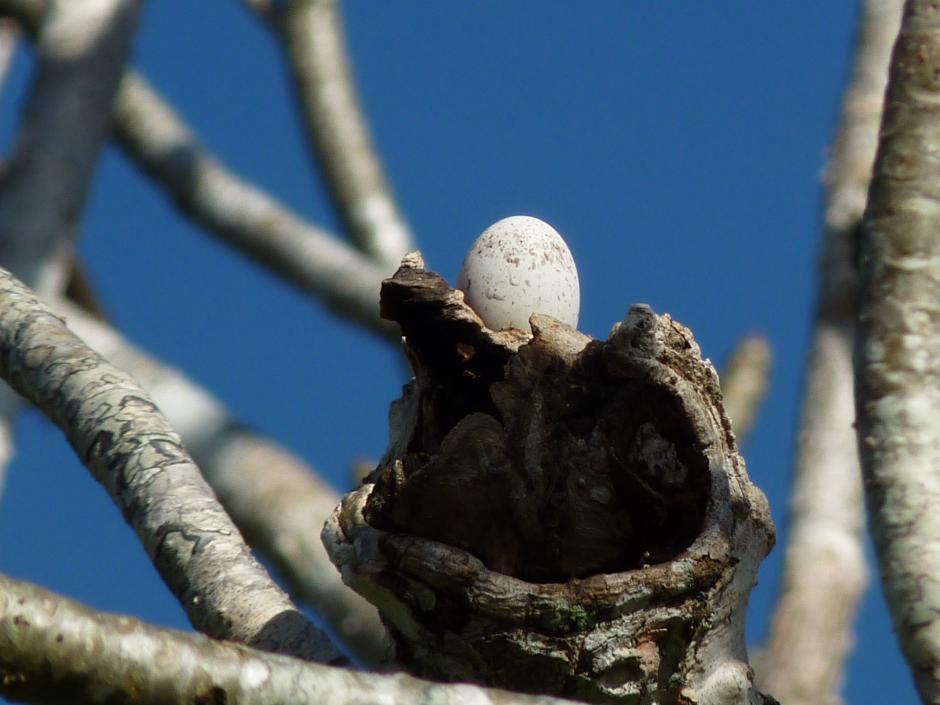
column 55, row 650
column 312, row 34
column 744, row 383
column 120, row 435
column 276, row 500
column 825, row 573
column 898, row 347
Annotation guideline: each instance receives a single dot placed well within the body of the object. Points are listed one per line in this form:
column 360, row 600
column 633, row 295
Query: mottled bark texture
column 825, row 570
column 898, row 347
column 277, row 501
column 557, row 514
column 120, row 435
column 56, row 651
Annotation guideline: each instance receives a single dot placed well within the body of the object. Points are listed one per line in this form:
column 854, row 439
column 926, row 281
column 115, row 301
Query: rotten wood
column 557, row 514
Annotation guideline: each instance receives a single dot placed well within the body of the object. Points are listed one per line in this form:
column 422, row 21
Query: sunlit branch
column 120, row 435
column 238, row 213
column 312, row 35
column 55, row 650
column 81, row 49
column 824, row 573
column 276, row 500
column 244, row 217
column 897, row 353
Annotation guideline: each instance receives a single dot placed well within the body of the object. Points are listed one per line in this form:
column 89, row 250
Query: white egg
column 519, row 266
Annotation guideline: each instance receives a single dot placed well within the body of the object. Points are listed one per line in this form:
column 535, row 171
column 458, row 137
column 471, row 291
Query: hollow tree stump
column 557, row 514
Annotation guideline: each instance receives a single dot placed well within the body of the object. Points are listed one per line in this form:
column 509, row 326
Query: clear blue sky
column 677, row 146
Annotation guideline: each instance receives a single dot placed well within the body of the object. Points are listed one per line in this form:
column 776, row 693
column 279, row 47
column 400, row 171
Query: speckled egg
column 519, row 266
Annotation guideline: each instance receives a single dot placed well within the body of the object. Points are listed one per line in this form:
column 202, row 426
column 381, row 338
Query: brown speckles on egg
column 492, row 285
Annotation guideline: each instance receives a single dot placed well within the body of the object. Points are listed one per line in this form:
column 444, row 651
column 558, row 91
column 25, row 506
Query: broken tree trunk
column 557, row 514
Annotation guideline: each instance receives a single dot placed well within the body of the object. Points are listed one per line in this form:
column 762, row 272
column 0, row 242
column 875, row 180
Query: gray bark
column 119, row 434
column 336, row 128
column 825, row 572
column 238, row 213
column 277, row 501
column 54, row 650
column 898, row 347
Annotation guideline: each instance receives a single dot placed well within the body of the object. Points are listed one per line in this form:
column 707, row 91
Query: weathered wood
column 557, row 514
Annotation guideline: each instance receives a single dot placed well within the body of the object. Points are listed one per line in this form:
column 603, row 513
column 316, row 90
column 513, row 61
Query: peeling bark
column 557, row 514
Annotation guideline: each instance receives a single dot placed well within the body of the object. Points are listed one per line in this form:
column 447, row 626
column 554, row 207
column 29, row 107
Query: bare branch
column 272, row 496
column 824, row 571
column 744, row 383
column 898, row 347
column 312, row 34
column 54, row 650
column 238, row 213
column 120, row 435
column 9, row 34
column 244, row 217
column 81, row 49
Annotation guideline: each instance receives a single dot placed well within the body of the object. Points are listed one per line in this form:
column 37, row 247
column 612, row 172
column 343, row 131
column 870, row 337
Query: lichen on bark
column 557, row 514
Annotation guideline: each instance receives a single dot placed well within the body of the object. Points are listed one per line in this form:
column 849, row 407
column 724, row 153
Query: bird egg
column 519, row 266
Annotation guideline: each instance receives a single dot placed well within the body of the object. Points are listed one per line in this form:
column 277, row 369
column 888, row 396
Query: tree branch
column 824, row 574
column 744, row 383
column 898, row 347
column 120, row 435
column 242, row 216
column 239, row 214
column 312, row 35
column 81, row 50
column 276, row 501
column 54, row 650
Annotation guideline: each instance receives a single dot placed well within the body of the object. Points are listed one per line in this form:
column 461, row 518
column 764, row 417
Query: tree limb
column 824, row 574
column 54, row 650
column 9, row 33
column 242, row 216
column 276, row 501
column 898, row 347
column 312, row 34
column 238, row 213
column 744, row 383
column 120, row 435
column 81, row 48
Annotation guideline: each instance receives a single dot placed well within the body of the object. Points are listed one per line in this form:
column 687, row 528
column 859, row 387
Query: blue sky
column 678, row 147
